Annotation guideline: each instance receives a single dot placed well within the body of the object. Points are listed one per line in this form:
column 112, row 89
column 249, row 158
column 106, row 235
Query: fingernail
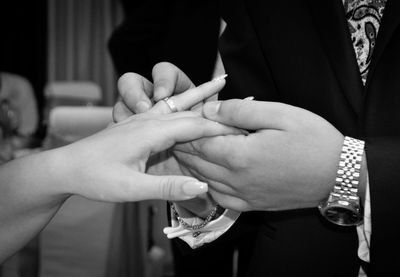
column 142, row 106
column 194, row 188
column 249, row 98
column 211, row 108
column 219, row 78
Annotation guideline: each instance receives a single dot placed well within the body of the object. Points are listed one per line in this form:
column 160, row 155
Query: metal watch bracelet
column 343, row 207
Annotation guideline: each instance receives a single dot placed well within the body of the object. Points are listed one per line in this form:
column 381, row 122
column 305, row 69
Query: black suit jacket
column 299, row 52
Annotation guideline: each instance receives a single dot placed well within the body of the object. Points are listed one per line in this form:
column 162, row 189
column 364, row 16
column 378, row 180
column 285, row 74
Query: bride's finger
column 190, row 97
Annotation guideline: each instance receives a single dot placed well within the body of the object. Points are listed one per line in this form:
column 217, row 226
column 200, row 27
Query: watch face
column 342, row 216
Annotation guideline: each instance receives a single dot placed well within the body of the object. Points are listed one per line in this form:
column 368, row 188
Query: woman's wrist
column 33, row 184
column 53, row 173
column 68, row 171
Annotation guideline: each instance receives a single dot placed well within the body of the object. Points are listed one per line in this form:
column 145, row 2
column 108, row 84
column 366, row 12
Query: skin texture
column 288, row 161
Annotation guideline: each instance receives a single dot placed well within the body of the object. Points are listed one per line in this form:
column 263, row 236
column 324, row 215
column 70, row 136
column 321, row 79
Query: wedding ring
column 171, row 105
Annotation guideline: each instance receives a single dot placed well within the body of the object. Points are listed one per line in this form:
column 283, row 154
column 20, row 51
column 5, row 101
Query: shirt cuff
column 207, row 234
column 364, row 230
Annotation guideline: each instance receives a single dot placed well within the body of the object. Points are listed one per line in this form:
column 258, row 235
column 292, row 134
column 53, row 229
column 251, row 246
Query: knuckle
column 153, row 124
column 125, row 79
column 163, row 66
column 233, row 108
column 129, row 85
column 193, row 121
column 166, row 188
column 237, row 160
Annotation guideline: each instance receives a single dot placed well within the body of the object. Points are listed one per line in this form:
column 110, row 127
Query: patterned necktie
column 364, row 18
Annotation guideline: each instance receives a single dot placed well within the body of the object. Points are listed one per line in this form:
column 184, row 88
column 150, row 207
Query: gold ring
column 171, row 105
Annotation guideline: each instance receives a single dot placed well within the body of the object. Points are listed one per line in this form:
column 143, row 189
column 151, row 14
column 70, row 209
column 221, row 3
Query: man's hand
column 138, row 95
column 288, row 162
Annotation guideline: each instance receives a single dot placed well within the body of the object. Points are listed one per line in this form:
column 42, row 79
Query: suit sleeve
column 383, row 158
column 184, row 33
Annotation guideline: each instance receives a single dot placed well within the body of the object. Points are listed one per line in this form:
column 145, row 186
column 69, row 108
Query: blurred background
column 58, row 85
column 46, row 41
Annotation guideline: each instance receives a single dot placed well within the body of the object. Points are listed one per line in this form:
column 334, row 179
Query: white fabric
column 364, row 231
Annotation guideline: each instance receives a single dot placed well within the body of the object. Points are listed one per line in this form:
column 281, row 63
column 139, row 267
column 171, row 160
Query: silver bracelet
column 192, row 227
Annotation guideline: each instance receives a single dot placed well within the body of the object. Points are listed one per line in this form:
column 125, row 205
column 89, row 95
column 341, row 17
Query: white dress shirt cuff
column 207, row 234
column 364, row 230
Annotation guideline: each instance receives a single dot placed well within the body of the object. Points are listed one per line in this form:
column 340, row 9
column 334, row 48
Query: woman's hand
column 110, row 165
column 107, row 166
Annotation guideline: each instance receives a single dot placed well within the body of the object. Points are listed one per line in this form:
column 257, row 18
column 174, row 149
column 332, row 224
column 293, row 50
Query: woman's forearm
column 30, row 195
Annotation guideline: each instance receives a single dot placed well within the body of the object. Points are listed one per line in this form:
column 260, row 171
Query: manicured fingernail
column 219, row 78
column 194, row 188
column 249, row 98
column 211, row 108
column 142, row 106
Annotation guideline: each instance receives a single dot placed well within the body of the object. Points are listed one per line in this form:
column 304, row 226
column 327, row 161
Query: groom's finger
column 250, row 115
column 168, row 80
column 135, row 91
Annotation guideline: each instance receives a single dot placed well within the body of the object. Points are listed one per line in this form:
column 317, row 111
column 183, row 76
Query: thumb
column 171, row 187
column 169, row 80
column 245, row 114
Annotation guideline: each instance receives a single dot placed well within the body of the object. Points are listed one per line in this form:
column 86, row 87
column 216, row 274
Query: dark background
column 23, row 43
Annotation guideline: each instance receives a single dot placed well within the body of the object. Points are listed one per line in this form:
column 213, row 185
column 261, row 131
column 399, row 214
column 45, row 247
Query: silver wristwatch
column 343, row 204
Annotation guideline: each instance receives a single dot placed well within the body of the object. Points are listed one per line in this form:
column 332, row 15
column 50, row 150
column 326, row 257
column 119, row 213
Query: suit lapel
column 390, row 21
column 331, row 24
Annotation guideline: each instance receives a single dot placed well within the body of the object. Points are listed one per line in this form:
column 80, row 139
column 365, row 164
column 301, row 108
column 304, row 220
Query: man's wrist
column 343, row 206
